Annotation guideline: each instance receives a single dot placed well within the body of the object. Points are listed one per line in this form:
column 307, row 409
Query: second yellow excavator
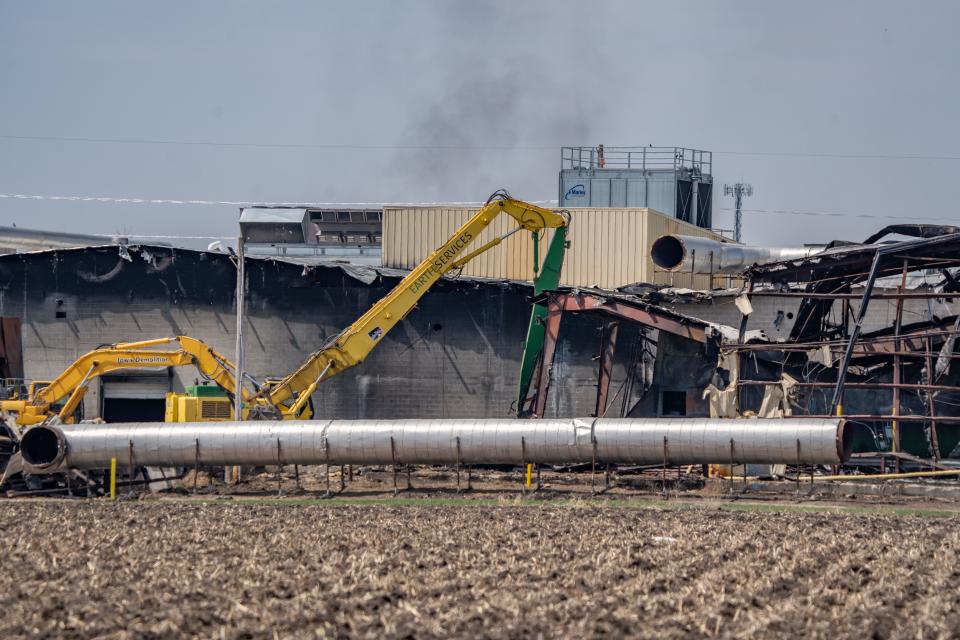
column 43, row 399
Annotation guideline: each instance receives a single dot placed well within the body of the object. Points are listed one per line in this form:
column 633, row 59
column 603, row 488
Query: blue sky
column 778, row 90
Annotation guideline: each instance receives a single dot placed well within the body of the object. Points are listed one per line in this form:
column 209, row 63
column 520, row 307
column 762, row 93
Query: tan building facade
column 609, row 247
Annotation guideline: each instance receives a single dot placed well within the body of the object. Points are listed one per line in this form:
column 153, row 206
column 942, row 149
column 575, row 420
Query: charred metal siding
column 455, row 356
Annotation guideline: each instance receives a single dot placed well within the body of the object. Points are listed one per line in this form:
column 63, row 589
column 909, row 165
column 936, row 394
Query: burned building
column 863, row 331
column 456, row 355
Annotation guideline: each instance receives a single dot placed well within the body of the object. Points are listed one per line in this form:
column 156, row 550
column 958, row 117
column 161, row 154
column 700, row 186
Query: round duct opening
column 667, row 253
column 41, row 446
column 846, row 434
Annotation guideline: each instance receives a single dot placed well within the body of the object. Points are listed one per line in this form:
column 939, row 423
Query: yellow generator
column 201, row 403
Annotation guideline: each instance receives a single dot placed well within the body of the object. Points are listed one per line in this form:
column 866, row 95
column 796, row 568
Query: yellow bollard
column 113, row 478
column 529, row 474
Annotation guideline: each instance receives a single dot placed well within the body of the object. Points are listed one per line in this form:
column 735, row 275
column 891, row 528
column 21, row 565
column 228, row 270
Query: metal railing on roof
column 636, row 158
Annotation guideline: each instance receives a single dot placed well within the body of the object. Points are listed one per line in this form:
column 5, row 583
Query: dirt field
column 226, row 569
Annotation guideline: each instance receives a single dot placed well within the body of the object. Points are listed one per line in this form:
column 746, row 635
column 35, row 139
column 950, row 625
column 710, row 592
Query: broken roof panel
column 851, row 264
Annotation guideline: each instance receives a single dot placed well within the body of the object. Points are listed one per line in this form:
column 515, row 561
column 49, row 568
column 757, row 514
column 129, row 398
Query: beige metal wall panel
column 608, row 247
column 411, row 234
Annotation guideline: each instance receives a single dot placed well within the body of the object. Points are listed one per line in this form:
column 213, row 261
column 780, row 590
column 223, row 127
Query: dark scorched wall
column 456, row 355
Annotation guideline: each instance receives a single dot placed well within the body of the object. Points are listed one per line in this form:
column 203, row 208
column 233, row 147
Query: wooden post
column 130, row 466
column 524, row 477
column 458, row 464
column 196, row 462
column 593, row 465
column 798, row 466
column 393, row 456
column 663, row 470
column 326, row 455
column 730, row 471
column 279, row 469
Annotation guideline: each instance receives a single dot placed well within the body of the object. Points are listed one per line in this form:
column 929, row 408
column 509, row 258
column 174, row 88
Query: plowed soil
column 154, row 569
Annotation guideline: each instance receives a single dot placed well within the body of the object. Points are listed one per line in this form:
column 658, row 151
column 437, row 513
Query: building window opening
column 673, row 403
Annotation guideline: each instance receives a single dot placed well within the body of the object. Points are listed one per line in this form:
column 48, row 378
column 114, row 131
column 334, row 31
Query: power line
column 450, row 147
column 306, row 205
column 838, row 214
column 272, row 145
column 240, row 203
column 839, row 156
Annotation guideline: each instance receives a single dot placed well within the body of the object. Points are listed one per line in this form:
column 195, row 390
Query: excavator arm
column 72, row 384
column 352, row 345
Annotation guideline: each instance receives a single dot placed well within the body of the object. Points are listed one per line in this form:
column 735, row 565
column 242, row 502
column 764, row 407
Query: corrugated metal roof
column 271, row 215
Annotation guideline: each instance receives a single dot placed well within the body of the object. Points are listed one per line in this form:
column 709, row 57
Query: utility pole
column 241, row 294
column 233, row 473
column 738, row 190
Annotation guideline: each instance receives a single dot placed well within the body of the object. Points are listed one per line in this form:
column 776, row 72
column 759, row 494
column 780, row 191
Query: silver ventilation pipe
column 381, row 442
column 690, row 254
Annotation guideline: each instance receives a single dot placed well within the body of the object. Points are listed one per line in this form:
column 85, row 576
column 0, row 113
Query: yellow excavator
column 43, row 399
column 289, row 397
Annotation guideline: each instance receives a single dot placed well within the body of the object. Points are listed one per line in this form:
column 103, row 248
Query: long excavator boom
column 352, row 345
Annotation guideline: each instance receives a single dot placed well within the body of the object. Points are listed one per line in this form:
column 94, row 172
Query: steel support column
column 552, row 327
column 608, row 346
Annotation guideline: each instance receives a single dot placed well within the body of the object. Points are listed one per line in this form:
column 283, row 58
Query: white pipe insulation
column 690, row 254
column 48, row 448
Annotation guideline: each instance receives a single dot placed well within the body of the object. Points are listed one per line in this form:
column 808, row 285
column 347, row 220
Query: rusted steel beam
column 870, row 455
column 914, row 344
column 887, row 417
column 854, row 296
column 552, row 326
column 608, row 346
column 861, row 385
column 647, row 315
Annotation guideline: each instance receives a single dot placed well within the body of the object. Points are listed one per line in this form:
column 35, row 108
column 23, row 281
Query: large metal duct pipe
column 572, row 440
column 690, row 254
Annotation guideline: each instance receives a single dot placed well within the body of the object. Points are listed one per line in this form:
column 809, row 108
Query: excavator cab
column 36, row 387
column 200, row 403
